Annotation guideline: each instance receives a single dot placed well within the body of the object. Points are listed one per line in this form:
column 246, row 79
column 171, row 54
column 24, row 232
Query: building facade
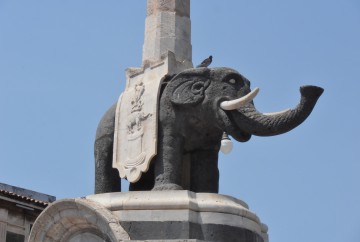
column 18, row 210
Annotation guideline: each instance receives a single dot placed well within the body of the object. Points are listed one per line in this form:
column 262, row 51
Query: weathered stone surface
column 161, row 215
column 103, row 152
column 181, row 7
column 167, row 28
column 2, row 230
column 136, row 117
column 149, row 216
column 75, row 220
column 86, row 237
column 203, row 202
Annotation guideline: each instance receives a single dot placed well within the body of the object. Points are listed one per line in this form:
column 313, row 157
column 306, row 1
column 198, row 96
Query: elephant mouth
column 235, row 131
column 227, row 108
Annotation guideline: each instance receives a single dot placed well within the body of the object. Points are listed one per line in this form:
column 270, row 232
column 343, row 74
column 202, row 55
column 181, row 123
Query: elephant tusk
column 237, row 103
column 276, row 113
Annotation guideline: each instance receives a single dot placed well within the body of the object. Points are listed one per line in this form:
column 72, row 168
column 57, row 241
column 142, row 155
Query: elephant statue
column 196, row 107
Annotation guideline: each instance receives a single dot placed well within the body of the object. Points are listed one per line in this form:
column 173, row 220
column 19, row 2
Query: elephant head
column 224, row 98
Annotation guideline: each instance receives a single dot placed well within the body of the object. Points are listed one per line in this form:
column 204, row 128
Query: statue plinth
column 150, row 216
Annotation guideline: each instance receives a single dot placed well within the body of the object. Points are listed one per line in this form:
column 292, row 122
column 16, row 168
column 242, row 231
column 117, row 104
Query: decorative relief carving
column 135, row 127
column 137, row 116
column 137, row 101
column 135, row 134
column 136, row 124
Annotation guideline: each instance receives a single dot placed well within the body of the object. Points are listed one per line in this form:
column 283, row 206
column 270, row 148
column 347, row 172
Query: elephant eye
column 232, row 81
column 197, row 87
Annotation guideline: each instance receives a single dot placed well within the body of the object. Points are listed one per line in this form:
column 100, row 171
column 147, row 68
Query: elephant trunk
column 253, row 122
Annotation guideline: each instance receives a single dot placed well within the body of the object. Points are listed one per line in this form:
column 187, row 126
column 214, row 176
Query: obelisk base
column 151, row 216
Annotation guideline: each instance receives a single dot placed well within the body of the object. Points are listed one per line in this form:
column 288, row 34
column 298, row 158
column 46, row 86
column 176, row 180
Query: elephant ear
column 188, row 90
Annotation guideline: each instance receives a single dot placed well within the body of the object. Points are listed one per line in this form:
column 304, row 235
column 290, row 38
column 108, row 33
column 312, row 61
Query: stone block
column 167, row 28
column 181, row 7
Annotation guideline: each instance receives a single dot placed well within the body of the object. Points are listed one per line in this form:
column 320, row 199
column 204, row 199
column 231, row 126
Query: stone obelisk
column 166, row 51
column 168, row 28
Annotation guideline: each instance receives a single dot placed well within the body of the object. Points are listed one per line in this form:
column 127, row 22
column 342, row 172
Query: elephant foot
column 167, row 187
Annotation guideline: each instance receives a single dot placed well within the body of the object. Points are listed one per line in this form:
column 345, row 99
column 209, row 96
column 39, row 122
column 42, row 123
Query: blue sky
column 62, row 65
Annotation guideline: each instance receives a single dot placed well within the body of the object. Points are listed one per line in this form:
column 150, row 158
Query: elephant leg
column 107, row 178
column 168, row 163
column 204, row 170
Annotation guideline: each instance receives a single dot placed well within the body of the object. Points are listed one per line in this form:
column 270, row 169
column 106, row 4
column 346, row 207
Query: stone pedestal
column 151, row 216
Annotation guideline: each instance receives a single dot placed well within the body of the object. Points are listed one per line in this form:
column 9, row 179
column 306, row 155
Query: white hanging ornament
column 226, row 144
